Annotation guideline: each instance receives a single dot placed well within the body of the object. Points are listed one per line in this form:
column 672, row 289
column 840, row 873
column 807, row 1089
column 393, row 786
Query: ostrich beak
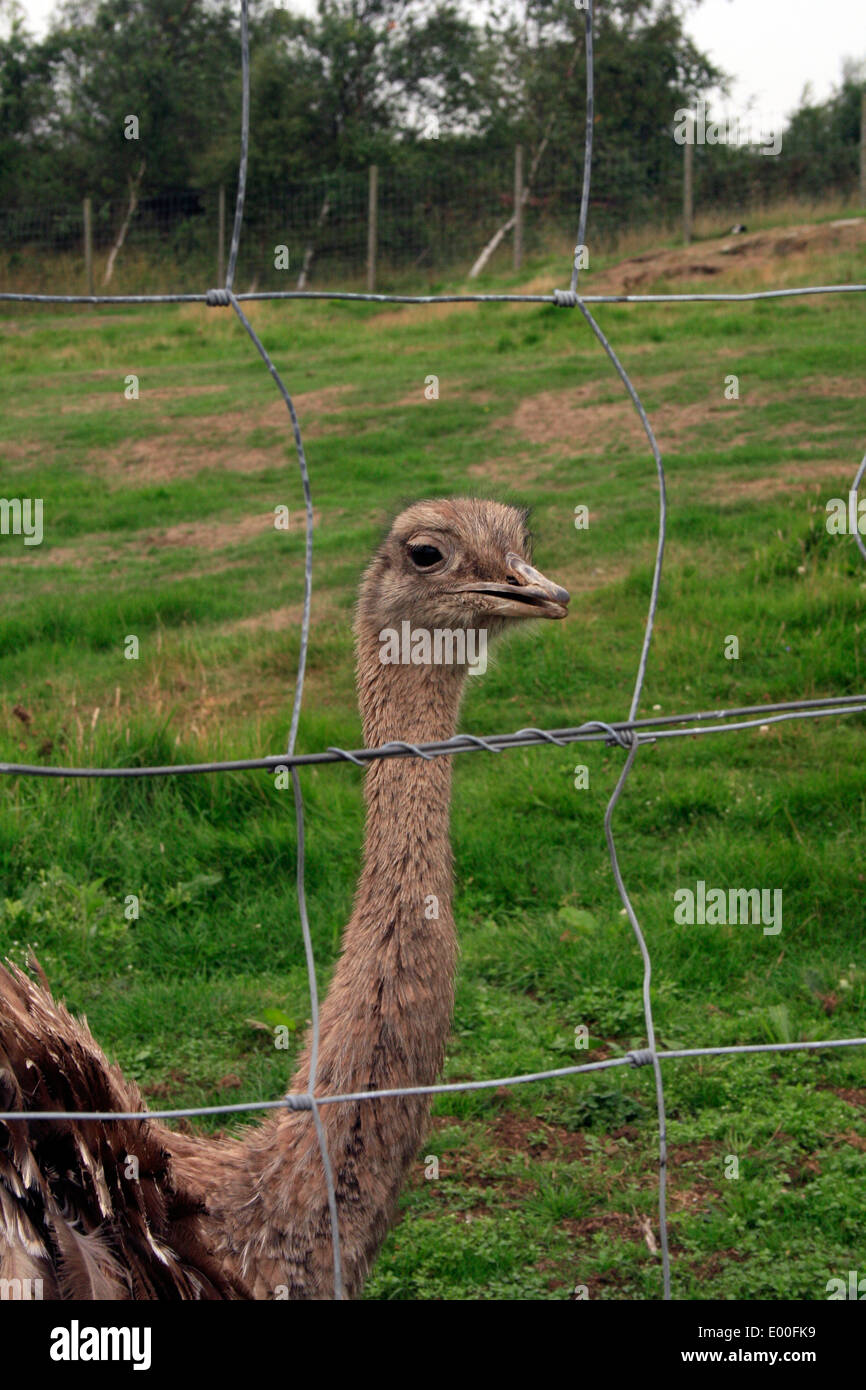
column 526, row 593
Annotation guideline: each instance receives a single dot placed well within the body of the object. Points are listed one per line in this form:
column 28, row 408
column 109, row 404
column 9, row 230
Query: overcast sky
column 773, row 48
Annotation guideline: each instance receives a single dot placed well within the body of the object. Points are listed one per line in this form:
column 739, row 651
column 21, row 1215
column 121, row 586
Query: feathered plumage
column 91, row 1209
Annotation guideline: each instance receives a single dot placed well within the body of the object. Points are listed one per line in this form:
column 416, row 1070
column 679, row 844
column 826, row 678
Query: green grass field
column 158, row 523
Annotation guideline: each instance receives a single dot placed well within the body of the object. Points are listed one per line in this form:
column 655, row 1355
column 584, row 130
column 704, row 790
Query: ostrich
column 134, row 1210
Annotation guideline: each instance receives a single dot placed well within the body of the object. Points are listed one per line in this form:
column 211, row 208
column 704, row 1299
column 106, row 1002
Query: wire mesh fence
column 314, row 232
column 432, row 218
column 627, row 734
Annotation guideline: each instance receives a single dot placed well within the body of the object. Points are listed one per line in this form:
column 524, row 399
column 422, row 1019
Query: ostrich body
column 247, row 1217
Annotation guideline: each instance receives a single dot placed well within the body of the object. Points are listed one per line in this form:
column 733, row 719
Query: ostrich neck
column 407, row 853
column 386, row 1017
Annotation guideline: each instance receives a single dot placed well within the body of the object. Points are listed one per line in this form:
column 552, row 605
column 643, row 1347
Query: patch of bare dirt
column 716, row 1263
column 203, row 536
column 794, row 477
column 116, row 400
column 274, row 620
column 833, row 388
column 39, row 556
column 854, row 1095
column 391, row 318
column 754, row 254
column 852, row 1138
column 529, row 1135
column 625, row 1225
column 210, row 441
column 324, row 608
column 161, row 1090
column 507, row 470
column 452, row 391
column 20, row 450
column 164, row 457
column 309, row 405
column 559, row 417
column 576, row 416
column 692, row 1169
column 581, row 577
column 206, row 535
column 510, row 1134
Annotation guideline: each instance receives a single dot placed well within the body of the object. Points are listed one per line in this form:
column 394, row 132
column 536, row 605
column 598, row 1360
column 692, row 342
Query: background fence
column 431, row 215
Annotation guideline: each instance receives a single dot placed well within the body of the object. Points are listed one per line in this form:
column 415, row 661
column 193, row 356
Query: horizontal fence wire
column 556, row 298
column 623, row 732
column 637, row 1057
column 628, row 734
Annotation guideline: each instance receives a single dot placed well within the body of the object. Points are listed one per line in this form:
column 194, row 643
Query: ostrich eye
column 424, row 556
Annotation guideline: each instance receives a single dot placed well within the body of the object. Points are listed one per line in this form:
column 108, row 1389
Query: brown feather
column 86, row 1267
column 70, row 1204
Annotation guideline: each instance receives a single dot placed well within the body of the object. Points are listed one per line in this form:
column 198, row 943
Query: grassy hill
column 158, row 523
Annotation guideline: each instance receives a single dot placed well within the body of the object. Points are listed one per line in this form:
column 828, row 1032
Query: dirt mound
column 755, row 253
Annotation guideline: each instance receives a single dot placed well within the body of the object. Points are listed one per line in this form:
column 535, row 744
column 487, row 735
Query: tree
column 140, row 81
column 358, row 84
column 822, row 142
column 26, row 101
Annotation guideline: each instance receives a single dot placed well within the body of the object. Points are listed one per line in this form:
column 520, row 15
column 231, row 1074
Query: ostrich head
column 456, row 563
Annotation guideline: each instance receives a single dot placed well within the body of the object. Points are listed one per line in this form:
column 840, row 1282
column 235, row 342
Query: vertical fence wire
column 644, row 654
column 321, row 1137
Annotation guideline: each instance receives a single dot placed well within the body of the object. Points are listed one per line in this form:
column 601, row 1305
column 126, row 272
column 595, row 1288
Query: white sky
column 773, row 48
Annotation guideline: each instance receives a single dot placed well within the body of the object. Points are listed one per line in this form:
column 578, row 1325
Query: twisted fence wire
column 205, row 298
column 627, row 734
column 619, row 732
column 300, row 1100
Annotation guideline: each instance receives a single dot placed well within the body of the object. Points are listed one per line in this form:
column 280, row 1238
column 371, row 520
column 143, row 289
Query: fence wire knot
column 298, row 1102
column 218, row 297
column 626, row 738
column 565, row 299
column 641, row 1057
